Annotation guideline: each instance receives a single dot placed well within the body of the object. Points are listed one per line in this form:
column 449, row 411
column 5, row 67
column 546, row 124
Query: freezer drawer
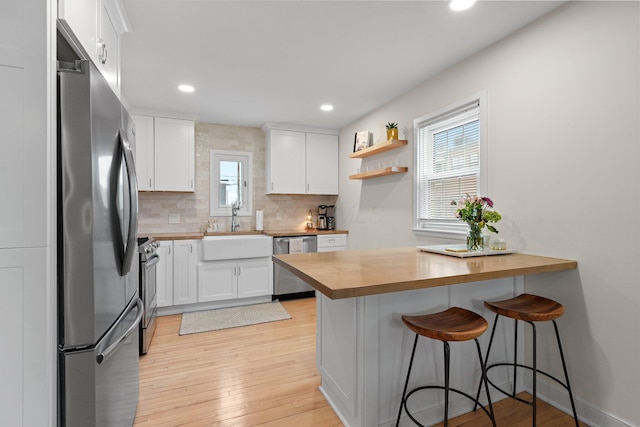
column 101, row 383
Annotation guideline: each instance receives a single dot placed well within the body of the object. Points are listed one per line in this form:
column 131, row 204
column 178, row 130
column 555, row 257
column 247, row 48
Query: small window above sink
column 230, row 182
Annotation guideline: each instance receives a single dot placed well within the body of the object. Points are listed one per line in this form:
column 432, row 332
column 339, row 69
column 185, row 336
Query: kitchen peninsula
column 363, row 348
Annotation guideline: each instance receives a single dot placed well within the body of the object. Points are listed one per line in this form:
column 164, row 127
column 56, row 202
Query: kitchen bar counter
column 363, row 348
column 371, row 272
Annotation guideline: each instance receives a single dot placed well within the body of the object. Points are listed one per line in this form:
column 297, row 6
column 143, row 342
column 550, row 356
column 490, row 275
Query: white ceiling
column 253, row 62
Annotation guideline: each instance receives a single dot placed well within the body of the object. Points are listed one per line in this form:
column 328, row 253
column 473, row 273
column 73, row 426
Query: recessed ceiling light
column 459, row 5
column 326, row 107
column 186, row 88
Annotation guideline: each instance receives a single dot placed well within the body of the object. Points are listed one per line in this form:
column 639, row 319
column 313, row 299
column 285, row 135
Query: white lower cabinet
column 185, row 282
column 217, row 281
column 255, row 277
column 164, row 274
column 332, row 242
column 223, row 280
column 176, row 279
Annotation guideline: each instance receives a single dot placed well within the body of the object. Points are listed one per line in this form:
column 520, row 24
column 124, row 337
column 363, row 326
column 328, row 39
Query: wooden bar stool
column 453, row 324
column 528, row 308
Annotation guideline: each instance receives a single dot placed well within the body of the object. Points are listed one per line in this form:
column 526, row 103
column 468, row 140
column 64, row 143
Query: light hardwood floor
column 260, row 375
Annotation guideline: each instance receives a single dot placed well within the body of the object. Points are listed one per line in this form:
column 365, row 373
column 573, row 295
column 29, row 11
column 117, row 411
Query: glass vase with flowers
column 477, row 212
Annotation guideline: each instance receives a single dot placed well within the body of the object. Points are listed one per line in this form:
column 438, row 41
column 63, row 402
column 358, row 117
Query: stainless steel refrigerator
column 98, row 305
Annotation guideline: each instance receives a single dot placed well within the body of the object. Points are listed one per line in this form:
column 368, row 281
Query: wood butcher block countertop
column 186, row 235
column 371, row 272
column 176, row 235
column 289, row 233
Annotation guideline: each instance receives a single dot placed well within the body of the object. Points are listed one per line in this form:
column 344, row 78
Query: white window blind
column 449, row 161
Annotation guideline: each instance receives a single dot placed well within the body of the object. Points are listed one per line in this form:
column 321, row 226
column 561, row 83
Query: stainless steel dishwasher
column 286, row 285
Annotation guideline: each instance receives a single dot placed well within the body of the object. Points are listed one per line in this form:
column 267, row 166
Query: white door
column 164, row 274
column 108, row 48
column 174, row 154
column 82, row 17
column 144, row 151
column 217, row 281
column 322, row 164
column 27, row 195
column 185, row 285
column 286, row 162
column 254, row 278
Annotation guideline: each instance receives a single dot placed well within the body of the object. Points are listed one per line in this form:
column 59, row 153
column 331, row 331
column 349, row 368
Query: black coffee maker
column 322, row 217
column 331, row 220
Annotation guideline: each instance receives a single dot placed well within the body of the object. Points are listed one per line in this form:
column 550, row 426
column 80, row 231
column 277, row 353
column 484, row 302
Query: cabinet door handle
column 239, row 271
column 103, row 51
column 272, row 186
column 235, row 271
column 191, row 184
column 307, row 188
column 150, row 184
column 190, row 248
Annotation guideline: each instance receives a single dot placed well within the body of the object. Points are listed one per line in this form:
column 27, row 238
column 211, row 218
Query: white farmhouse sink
column 236, row 246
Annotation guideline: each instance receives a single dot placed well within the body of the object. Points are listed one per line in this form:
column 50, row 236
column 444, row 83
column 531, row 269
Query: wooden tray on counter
column 461, row 251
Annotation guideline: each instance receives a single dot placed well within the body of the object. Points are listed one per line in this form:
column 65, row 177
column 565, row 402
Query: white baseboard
column 558, row 397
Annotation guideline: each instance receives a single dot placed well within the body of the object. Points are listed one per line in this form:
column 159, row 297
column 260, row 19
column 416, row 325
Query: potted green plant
column 392, row 131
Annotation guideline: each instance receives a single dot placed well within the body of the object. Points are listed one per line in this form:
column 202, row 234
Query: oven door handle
column 152, row 261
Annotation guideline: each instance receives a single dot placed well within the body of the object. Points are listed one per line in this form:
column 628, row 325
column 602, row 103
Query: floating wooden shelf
column 381, row 147
column 380, row 172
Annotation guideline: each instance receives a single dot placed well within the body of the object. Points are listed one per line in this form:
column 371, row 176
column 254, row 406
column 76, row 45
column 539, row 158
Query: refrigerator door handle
column 131, row 244
column 103, row 354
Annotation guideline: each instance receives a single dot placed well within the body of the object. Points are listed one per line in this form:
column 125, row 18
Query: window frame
column 453, row 228
column 215, row 156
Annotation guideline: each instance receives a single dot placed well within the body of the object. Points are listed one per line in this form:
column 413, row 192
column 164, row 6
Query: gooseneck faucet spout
column 234, row 216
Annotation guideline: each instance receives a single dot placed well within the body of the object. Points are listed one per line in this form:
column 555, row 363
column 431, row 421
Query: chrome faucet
column 234, row 216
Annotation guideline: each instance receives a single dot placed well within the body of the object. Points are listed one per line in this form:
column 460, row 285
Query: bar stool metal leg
column 483, row 379
column 453, row 324
column 533, row 368
column 447, row 389
column 566, row 375
column 486, row 361
column 535, row 371
column 447, row 359
column 406, row 383
column 515, row 357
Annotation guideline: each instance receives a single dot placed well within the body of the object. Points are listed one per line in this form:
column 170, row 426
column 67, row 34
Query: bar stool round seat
column 528, row 308
column 453, row 324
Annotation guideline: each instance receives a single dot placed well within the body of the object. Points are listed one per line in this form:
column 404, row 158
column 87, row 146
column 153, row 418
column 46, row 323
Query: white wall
column 564, row 161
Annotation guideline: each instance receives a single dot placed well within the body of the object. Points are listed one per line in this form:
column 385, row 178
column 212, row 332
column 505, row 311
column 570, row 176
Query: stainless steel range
column 149, row 257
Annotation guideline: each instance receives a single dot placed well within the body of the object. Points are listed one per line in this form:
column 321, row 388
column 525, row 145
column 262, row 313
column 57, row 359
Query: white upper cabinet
column 81, row 17
column 97, row 26
column 144, row 152
column 301, row 162
column 108, row 44
column 286, row 162
column 165, row 154
column 322, row 163
column 174, row 154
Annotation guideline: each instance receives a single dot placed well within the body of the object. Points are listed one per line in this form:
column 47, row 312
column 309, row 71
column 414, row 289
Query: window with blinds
column 449, row 148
